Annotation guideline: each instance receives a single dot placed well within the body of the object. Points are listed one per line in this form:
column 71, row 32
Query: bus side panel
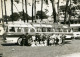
column 11, row 39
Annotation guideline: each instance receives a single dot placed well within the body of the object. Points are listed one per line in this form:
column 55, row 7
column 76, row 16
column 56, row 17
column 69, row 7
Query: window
column 32, row 30
column 12, row 29
column 18, row 29
column 26, row 29
column 38, row 29
column 43, row 29
column 49, row 29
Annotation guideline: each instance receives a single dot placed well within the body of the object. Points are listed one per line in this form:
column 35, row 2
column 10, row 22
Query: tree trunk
column 70, row 14
column 54, row 11
column 58, row 10
column 35, row 10
column 41, row 9
column 66, row 11
column 26, row 9
column 23, row 9
column 5, row 11
column 2, row 7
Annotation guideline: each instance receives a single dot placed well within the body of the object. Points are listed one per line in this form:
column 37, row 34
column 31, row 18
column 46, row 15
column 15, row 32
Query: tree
column 26, row 16
column 66, row 9
column 54, row 11
column 44, row 16
column 7, row 18
column 5, row 10
column 75, row 1
column 15, row 15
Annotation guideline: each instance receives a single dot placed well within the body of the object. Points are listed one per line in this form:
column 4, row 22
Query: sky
column 29, row 9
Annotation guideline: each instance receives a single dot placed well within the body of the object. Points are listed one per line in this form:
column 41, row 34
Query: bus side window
column 38, row 29
column 49, row 29
column 12, row 29
column 26, row 29
column 32, row 30
column 43, row 29
column 18, row 29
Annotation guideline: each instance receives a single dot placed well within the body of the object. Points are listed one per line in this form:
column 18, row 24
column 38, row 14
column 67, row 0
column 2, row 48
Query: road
column 12, row 50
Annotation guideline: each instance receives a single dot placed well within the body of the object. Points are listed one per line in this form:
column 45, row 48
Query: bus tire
column 19, row 41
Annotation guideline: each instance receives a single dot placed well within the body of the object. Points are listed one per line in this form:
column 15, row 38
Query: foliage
column 15, row 16
column 26, row 16
column 44, row 16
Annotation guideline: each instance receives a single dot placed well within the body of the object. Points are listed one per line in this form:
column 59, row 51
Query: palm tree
column 12, row 9
column 58, row 10
column 54, row 11
column 65, row 18
column 23, row 9
column 41, row 9
column 26, row 9
column 5, row 10
column 32, row 10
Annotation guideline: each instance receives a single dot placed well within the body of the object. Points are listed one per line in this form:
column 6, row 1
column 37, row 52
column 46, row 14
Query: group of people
column 43, row 39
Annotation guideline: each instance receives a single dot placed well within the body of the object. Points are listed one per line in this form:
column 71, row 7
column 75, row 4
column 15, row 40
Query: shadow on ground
column 1, row 55
column 67, row 42
column 9, row 44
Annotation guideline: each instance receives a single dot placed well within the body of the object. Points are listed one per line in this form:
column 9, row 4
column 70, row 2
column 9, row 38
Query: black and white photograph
column 39, row 28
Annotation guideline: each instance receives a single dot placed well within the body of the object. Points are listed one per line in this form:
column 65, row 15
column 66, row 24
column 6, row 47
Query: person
column 37, row 38
column 63, row 38
column 23, row 40
column 52, row 39
column 28, row 39
column 60, row 39
column 56, row 39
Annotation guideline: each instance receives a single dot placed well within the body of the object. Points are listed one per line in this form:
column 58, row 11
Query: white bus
column 14, row 31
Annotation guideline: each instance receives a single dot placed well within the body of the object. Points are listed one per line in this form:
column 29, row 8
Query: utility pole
column 66, row 11
column 32, row 10
column 58, row 10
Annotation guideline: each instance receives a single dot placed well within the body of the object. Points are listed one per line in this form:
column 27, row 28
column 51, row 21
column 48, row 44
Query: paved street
column 66, row 50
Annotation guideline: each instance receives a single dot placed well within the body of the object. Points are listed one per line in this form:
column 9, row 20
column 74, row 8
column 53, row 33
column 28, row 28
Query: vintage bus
column 14, row 31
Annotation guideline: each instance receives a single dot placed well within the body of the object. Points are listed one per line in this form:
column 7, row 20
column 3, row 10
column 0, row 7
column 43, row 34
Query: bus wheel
column 19, row 41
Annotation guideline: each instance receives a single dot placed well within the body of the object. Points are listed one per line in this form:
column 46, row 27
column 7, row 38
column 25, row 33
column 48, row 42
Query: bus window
column 56, row 30
column 32, row 30
column 38, row 29
column 53, row 30
column 26, row 29
column 49, row 30
column 43, row 29
column 64, row 30
column 11, row 29
column 18, row 29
